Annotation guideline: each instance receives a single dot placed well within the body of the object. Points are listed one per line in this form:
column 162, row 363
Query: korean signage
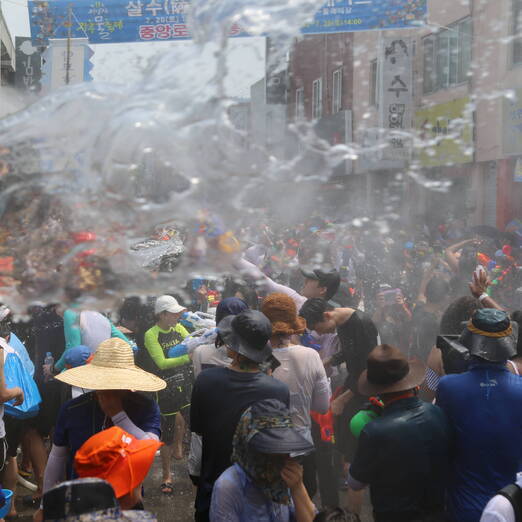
column 115, row 21
column 373, row 142
column 341, row 16
column 447, row 133
column 512, row 125
column 66, row 64
column 28, row 65
column 395, row 95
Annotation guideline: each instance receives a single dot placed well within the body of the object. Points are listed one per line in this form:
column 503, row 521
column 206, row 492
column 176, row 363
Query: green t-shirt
column 157, row 343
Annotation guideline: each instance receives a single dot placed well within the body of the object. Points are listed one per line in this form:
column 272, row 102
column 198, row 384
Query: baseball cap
column 167, row 303
column 117, row 457
column 77, row 356
column 330, row 280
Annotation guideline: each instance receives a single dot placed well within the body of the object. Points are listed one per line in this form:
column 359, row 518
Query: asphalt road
column 176, row 508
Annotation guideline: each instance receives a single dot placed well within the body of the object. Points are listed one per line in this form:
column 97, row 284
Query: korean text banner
column 116, row 21
column 449, row 128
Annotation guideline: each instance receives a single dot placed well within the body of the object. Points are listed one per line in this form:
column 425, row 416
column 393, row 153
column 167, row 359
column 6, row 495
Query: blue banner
column 342, row 16
column 117, row 21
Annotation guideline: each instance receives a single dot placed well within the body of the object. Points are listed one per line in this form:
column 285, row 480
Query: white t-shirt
column 499, row 508
column 303, row 372
column 208, row 355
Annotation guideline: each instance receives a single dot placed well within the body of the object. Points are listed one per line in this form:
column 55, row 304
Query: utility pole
column 69, row 35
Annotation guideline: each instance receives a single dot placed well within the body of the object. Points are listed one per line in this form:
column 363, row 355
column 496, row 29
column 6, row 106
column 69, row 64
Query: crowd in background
column 330, row 357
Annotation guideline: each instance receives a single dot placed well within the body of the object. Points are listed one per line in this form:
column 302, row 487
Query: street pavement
column 176, row 508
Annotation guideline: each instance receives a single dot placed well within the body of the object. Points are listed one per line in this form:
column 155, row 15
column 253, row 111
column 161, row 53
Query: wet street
column 180, row 506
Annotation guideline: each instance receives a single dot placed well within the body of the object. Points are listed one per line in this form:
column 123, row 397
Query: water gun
column 190, row 343
column 308, row 340
column 372, row 411
column 197, row 320
column 326, row 425
column 211, row 230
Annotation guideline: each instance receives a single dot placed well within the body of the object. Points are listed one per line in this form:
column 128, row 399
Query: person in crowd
column 357, row 336
column 506, row 506
column 20, row 430
column 515, row 364
column 215, row 354
column 86, row 328
column 264, row 484
column 221, row 395
column 209, row 356
column 483, row 405
column 455, row 314
column 403, row 454
column 87, row 500
column 301, row 369
column 393, row 317
column 427, row 314
column 177, row 373
column 111, row 375
column 121, row 459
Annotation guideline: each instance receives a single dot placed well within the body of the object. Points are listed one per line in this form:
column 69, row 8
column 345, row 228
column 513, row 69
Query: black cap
column 330, row 280
column 78, row 497
column 280, row 440
column 248, row 334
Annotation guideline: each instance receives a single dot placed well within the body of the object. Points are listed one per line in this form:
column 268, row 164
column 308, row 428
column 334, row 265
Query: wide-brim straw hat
column 282, row 312
column 112, row 368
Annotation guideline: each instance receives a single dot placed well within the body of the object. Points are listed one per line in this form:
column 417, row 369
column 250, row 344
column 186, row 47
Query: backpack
column 514, row 494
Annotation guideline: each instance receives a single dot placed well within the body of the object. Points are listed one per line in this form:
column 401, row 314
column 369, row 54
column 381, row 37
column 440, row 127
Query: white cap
column 167, row 303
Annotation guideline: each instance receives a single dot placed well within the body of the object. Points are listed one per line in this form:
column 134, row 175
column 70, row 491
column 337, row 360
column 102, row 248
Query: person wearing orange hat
column 119, row 458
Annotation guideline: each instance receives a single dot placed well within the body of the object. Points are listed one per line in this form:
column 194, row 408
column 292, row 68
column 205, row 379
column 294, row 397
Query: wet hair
column 457, row 312
column 337, row 514
column 516, row 316
column 437, row 289
column 249, row 296
column 313, row 311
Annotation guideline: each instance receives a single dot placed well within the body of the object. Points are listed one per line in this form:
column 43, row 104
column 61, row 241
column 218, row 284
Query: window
column 517, row 31
column 447, row 56
column 337, row 90
column 374, row 96
column 317, row 99
column 299, row 104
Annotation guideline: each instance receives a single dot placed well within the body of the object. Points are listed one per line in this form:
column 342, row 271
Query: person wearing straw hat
column 303, row 371
column 403, row 454
column 114, row 401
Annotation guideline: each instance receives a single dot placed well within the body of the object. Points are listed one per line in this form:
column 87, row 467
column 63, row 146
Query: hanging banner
column 117, row 21
column 66, row 64
column 447, row 131
column 395, row 80
column 344, row 16
column 28, row 71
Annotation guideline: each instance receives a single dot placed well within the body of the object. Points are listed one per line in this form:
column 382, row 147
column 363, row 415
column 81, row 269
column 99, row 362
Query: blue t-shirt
column 81, row 418
column 236, row 498
column 484, row 408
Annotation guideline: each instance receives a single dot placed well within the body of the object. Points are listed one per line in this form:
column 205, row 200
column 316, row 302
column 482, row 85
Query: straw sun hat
column 112, row 368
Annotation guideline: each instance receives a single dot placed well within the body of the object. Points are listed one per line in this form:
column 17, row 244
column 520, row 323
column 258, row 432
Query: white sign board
column 395, row 95
column 66, row 63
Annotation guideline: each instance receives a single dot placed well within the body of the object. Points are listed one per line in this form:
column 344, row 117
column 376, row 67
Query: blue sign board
column 117, row 21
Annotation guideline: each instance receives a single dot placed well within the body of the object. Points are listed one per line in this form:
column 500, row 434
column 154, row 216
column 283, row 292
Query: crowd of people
column 338, row 358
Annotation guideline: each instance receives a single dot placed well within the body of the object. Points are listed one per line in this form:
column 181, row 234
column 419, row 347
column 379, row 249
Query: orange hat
column 118, row 457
